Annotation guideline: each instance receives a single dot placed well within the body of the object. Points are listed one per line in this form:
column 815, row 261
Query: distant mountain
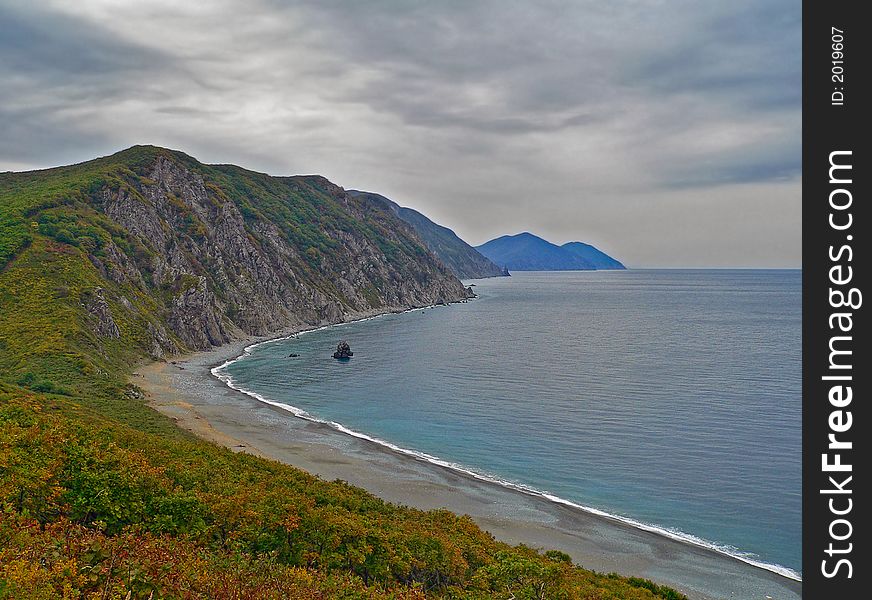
column 527, row 252
column 462, row 259
column 599, row 259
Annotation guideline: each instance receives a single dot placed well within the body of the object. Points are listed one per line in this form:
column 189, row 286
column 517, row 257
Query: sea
column 670, row 399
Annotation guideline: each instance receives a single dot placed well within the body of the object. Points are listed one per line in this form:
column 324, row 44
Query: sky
column 665, row 132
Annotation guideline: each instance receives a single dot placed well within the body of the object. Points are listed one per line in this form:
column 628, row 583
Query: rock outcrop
column 343, row 351
column 100, row 314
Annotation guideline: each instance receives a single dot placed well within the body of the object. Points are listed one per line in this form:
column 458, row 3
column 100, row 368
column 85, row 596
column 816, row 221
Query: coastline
column 186, row 390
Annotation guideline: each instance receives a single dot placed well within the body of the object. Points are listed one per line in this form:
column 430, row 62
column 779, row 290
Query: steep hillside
column 596, row 257
column 527, row 252
column 188, row 255
column 148, row 252
column 463, row 260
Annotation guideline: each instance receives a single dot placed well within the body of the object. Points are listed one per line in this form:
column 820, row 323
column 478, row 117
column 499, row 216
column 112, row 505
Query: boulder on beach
column 343, row 351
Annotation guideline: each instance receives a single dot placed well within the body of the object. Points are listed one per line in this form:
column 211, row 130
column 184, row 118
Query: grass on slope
column 46, row 343
column 24, row 195
column 89, row 505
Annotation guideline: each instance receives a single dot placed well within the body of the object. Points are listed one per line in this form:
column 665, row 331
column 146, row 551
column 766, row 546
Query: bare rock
column 100, row 314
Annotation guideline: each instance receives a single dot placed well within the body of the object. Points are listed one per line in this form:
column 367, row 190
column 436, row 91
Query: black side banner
column 836, row 370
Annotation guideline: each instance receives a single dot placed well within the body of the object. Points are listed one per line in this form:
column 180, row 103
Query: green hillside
column 147, row 253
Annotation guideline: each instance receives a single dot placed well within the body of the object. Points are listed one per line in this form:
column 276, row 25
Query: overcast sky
column 666, row 132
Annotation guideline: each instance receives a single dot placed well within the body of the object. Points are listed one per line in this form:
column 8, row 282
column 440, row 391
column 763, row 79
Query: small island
column 343, row 351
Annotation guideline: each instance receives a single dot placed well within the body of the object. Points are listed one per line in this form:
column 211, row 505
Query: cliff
column 183, row 255
column 464, row 261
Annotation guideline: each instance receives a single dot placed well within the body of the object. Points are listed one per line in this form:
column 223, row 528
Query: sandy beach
column 185, row 390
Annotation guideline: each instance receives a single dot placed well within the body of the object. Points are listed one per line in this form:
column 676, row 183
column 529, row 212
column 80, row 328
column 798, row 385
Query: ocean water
column 667, row 398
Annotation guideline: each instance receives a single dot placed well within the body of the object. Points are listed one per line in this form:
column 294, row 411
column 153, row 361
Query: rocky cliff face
column 209, row 253
column 464, row 261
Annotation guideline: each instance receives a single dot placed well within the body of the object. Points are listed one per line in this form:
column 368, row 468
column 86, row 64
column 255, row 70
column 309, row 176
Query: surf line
column 670, row 533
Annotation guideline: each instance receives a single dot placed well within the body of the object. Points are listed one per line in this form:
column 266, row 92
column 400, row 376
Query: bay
column 670, row 398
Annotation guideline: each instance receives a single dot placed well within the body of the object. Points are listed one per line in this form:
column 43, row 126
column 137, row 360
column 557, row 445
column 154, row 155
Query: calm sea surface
column 671, row 398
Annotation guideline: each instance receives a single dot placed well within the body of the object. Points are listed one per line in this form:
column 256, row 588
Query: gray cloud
column 573, row 119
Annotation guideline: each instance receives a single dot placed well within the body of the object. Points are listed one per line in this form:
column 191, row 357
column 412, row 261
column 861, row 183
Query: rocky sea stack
column 343, row 351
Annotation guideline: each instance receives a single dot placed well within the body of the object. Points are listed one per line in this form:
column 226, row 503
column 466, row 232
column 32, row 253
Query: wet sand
column 186, row 391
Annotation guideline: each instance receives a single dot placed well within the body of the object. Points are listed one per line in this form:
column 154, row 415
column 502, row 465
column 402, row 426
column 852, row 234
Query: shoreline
column 188, row 390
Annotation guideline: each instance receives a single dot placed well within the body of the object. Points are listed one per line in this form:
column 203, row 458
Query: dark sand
column 187, row 392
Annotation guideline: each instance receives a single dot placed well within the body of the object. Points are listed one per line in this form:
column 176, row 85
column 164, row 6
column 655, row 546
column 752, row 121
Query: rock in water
column 343, row 351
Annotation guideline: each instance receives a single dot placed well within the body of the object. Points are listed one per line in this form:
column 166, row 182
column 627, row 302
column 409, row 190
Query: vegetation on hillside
column 463, row 260
column 194, row 252
column 101, row 497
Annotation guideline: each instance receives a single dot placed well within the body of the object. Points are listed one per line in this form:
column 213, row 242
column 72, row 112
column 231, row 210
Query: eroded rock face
column 219, row 275
column 100, row 314
column 160, row 342
column 194, row 317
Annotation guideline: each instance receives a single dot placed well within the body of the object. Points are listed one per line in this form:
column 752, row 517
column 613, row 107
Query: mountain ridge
column 221, row 251
column 599, row 259
column 528, row 252
column 463, row 260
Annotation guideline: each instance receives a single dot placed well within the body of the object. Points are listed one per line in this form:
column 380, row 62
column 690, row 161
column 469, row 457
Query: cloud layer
column 667, row 132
